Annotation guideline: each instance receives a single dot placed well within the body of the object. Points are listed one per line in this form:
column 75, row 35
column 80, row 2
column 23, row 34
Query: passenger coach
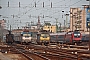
column 57, row 37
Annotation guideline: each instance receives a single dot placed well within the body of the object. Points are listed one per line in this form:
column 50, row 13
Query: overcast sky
column 27, row 11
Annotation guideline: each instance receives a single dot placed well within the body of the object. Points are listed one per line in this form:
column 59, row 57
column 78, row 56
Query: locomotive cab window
column 44, row 35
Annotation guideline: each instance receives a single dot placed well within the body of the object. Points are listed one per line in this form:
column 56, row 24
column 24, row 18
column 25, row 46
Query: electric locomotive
column 26, row 36
column 43, row 37
column 73, row 37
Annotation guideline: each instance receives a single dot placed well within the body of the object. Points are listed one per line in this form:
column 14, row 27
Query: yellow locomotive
column 43, row 37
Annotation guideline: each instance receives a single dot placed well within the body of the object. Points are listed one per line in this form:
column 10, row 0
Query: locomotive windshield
column 44, row 35
column 26, row 34
column 76, row 34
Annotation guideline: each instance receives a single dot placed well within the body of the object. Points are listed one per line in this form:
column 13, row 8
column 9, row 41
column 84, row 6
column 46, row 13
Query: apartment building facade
column 78, row 19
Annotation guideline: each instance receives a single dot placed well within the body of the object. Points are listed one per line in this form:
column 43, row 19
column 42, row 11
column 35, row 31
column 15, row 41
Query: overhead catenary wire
column 48, row 9
column 68, row 6
column 45, row 9
column 29, row 10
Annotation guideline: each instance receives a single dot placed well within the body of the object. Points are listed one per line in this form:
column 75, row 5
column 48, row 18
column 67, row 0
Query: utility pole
column 10, row 27
column 56, row 25
column 64, row 25
column 1, row 33
column 72, row 19
column 66, row 20
column 60, row 27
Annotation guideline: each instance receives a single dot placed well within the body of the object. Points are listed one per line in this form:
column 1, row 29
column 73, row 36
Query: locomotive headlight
column 79, row 34
column 75, row 34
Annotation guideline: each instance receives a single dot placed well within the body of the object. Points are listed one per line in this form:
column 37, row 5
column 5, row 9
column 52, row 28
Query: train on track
column 85, row 37
column 47, row 37
column 9, row 38
column 43, row 37
column 26, row 36
column 66, row 37
column 23, row 37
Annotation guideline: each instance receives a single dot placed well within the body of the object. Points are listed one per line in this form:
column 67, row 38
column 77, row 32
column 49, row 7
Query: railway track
column 28, row 54
column 34, row 52
column 72, row 52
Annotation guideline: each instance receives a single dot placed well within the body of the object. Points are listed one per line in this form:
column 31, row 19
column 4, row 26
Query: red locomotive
column 73, row 37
